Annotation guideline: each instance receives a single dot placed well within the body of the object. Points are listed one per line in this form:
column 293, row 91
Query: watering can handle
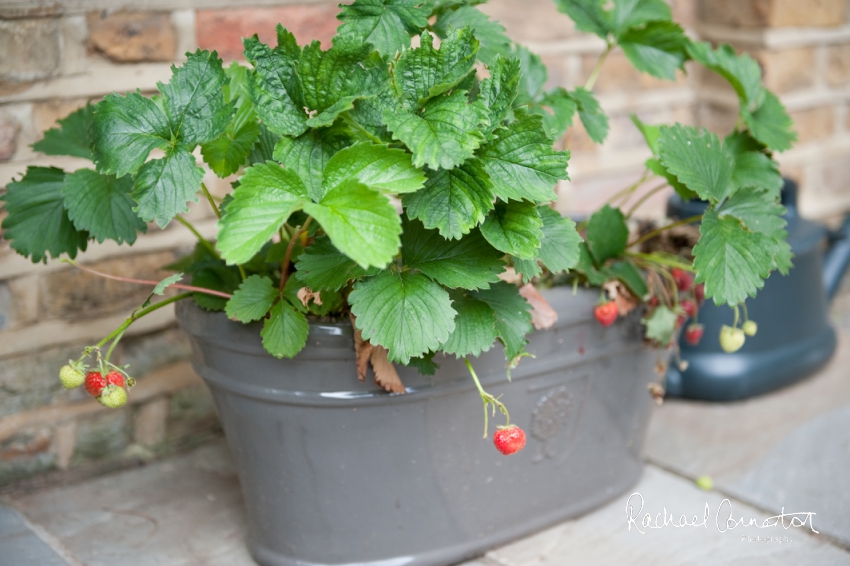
column 837, row 258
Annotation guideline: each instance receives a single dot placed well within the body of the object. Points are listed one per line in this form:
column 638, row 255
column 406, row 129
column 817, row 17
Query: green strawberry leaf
column 607, row 234
column 770, row 123
column 424, row 364
column 521, row 162
column 659, row 48
column 592, row 116
column 741, row 71
column 500, row 89
column 275, row 89
column 37, row 222
column 406, row 313
column 491, row 34
column 514, row 227
column 322, row 267
column 71, row 137
column 731, row 260
column 631, row 13
column 166, row 283
column 425, row 72
column 661, row 325
column 164, row 186
column 588, row 15
column 585, row 265
column 658, row 168
column 631, row 277
column 453, row 201
column 559, row 116
column 101, row 205
column 124, row 131
column 559, row 248
column 513, row 316
column 528, row 268
column 444, row 134
column 229, row 151
column 650, row 133
column 308, row 154
column 265, row 198
column 469, row 263
column 332, row 80
column 532, row 77
column 475, row 327
column 193, row 99
column 252, row 300
column 376, row 166
column 755, row 169
column 263, row 150
column 759, row 210
column 386, row 24
column 361, row 222
column 698, row 159
column 285, row 331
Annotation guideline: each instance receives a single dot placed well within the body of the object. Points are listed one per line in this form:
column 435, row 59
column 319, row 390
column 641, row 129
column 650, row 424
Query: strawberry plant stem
column 147, row 281
column 112, row 346
column 654, row 233
column 487, row 399
column 644, row 198
column 284, row 266
column 203, row 241
column 210, row 199
column 661, row 260
column 598, row 68
column 137, row 315
column 628, row 190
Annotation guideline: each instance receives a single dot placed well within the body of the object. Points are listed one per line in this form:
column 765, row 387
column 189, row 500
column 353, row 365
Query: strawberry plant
column 399, row 183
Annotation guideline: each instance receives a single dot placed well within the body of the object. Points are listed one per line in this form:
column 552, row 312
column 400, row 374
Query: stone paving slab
column 188, row 511
column 20, row 546
column 790, row 448
column 603, row 538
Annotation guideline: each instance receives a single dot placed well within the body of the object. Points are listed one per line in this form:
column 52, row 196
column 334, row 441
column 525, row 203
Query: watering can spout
column 837, row 258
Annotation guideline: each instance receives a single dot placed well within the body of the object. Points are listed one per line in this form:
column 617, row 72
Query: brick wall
column 56, row 56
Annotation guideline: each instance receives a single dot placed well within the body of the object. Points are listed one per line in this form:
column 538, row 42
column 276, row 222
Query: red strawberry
column 95, row 383
column 699, row 293
column 680, row 320
column 683, row 279
column 115, row 378
column 689, row 307
column 653, row 301
column 509, row 440
column 606, row 313
column 693, row 334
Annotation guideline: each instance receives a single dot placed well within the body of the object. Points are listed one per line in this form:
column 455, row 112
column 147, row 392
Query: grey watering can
column 794, row 336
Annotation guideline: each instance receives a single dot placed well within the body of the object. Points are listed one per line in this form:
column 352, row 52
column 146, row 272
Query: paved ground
column 789, row 449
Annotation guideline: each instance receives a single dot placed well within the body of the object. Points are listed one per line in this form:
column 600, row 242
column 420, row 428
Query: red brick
column 773, row 13
column 537, row 21
column 838, row 73
column 789, row 69
column 223, row 30
column 132, row 36
column 813, row 124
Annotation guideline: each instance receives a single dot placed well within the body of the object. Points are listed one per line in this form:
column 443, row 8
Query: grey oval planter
column 335, row 471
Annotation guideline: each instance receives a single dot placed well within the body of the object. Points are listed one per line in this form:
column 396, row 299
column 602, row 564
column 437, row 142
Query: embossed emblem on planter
column 555, row 417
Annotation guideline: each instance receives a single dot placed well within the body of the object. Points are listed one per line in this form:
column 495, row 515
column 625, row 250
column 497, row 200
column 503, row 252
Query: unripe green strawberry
column 71, row 377
column 731, row 339
column 113, row 397
column 750, row 328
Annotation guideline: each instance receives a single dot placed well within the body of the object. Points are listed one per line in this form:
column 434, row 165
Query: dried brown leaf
column 363, row 351
column 306, row 294
column 509, row 275
column 543, row 316
column 385, row 374
column 656, row 391
column 625, row 301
